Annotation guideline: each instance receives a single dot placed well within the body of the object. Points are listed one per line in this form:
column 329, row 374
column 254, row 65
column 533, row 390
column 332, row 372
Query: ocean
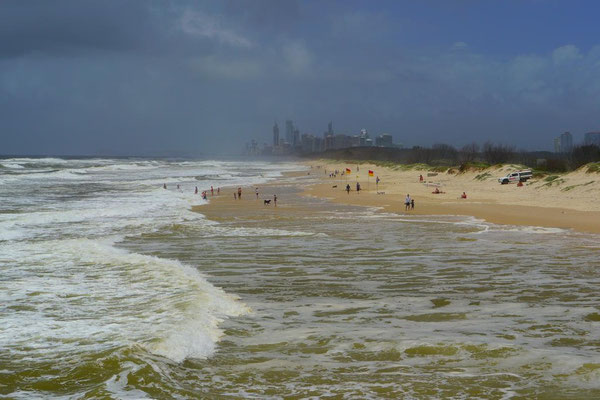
column 112, row 287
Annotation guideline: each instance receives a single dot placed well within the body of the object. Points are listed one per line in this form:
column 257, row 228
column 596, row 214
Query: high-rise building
column 296, row 138
column 563, row 143
column 557, row 145
column 592, row 138
column 275, row 135
column 289, row 131
column 330, row 128
column 384, row 140
column 566, row 142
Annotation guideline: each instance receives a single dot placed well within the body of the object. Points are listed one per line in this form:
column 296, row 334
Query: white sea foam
column 78, row 290
column 132, row 297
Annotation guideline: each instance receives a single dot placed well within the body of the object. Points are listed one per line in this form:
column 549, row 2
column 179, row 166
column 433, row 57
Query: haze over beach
column 299, row 199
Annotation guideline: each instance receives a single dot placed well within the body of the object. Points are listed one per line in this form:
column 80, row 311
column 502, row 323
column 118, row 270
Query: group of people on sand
column 357, row 188
column 438, row 191
column 409, row 203
column 237, row 195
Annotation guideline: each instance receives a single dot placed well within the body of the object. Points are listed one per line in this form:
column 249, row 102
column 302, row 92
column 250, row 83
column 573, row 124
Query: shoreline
column 479, row 204
column 484, row 204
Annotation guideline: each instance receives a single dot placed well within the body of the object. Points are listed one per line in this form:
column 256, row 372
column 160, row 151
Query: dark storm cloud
column 71, row 26
column 140, row 77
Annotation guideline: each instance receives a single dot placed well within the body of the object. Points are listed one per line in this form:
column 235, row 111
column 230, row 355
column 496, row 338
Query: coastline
column 486, row 200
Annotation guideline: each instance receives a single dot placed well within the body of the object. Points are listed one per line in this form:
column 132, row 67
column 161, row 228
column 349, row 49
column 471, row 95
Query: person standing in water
column 239, row 194
column 196, row 191
column 212, row 191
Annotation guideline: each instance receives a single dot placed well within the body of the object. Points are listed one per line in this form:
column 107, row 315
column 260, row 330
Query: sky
column 144, row 77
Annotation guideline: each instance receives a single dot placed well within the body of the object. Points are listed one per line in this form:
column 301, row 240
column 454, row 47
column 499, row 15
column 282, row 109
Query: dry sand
column 568, row 201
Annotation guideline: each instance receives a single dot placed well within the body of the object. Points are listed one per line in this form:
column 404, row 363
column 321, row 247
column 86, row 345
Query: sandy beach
column 568, row 201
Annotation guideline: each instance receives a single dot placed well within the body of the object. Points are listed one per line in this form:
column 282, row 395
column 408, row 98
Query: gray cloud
column 131, row 76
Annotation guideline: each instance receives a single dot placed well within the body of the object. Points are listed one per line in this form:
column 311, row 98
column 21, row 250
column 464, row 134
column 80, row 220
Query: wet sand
column 499, row 204
column 446, row 204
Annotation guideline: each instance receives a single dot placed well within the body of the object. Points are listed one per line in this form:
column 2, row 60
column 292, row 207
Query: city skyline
column 563, row 143
column 191, row 77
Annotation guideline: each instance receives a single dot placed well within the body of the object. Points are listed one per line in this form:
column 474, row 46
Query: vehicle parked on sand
column 514, row 177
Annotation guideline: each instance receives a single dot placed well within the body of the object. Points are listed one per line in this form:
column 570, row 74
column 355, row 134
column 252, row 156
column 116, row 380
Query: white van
column 514, row 177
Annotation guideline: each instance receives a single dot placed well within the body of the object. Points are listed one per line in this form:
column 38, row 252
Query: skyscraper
column 566, row 142
column 289, row 131
column 296, row 141
column 275, row 135
column 557, row 144
column 563, row 143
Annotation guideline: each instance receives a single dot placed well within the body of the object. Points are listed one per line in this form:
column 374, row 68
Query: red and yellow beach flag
column 348, row 170
column 371, row 173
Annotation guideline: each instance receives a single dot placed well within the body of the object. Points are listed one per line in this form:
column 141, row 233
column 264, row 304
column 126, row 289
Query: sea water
column 111, row 286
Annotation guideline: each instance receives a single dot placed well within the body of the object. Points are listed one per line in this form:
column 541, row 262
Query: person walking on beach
column 348, row 188
column 218, row 191
column 212, row 191
column 256, row 191
column 275, row 200
column 357, row 187
column 407, row 202
column 239, row 193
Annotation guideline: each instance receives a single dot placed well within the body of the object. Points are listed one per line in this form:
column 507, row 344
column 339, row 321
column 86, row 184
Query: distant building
column 252, row 148
column 329, row 142
column 311, row 144
column 563, row 143
column 557, row 145
column 296, row 138
column 289, row 131
column 384, row 140
column 566, row 142
column 341, row 141
column 361, row 140
column 592, row 138
column 275, row 135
